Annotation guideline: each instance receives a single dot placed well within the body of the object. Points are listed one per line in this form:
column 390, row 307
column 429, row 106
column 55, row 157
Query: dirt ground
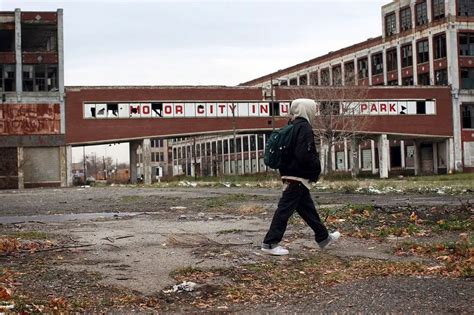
column 122, row 249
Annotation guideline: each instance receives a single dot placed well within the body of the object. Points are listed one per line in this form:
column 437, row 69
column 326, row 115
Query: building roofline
column 328, row 56
column 107, row 87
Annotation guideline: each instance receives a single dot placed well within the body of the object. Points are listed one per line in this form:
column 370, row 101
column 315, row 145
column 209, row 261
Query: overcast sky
column 226, row 42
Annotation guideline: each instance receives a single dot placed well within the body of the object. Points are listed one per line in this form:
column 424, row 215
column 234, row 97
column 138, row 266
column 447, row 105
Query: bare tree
column 338, row 117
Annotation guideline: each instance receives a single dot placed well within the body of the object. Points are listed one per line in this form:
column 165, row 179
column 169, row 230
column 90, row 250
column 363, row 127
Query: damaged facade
column 32, row 117
column 420, row 104
column 424, row 43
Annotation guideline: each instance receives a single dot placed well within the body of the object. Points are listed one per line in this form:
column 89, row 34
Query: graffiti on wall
column 29, row 119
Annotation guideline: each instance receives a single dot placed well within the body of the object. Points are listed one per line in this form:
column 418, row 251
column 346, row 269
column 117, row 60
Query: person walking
column 299, row 168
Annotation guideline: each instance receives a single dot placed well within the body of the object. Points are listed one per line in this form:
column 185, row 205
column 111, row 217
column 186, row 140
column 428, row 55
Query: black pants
column 295, row 197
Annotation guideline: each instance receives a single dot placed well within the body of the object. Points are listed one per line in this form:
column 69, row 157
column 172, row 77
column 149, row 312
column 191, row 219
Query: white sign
column 247, row 109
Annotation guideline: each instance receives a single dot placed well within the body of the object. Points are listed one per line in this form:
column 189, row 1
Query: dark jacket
column 303, row 159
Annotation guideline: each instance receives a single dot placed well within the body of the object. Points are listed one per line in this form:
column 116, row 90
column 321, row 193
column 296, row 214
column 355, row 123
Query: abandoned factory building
column 418, row 104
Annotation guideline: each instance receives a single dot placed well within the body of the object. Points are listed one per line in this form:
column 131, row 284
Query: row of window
column 421, row 16
column 221, row 147
column 36, row 78
column 464, row 8
column 466, row 48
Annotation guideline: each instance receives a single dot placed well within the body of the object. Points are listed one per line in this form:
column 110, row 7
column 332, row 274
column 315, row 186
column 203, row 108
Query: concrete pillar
column 249, row 152
column 228, row 156
column 18, row 56
column 399, row 63
column 435, row 157
column 172, row 160
column 242, row 169
column 146, row 154
column 453, row 80
column 323, row 157
column 186, row 159
column 264, row 145
column 69, row 179
column 257, row 156
column 451, row 155
column 384, row 61
column 359, row 148
column 383, row 146
column 21, row 163
column 343, row 74
column 346, row 159
column 62, row 108
column 223, row 156
column 402, row 153
column 417, row 157
column 133, row 161
column 430, row 11
column 356, row 72
column 415, row 61
column 372, row 151
column 431, row 57
column 63, row 166
column 369, row 64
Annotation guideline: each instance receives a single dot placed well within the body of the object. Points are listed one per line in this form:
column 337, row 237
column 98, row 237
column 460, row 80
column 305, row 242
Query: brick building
column 419, row 102
column 423, row 43
column 32, row 117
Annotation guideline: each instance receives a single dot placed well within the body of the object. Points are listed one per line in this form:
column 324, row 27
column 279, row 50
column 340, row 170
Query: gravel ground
column 137, row 238
column 393, row 295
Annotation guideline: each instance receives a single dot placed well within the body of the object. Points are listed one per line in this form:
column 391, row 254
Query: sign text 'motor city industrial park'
column 116, row 110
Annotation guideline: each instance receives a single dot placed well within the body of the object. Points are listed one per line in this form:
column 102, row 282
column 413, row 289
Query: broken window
column 439, row 43
column 325, row 77
column 40, row 78
column 421, row 13
column 303, row 79
column 407, row 56
column 423, row 51
column 392, row 60
column 363, row 66
column 467, row 116
column 349, row 76
column 405, row 19
column 313, row 78
column 407, row 81
column 7, row 40
column 438, row 9
column 36, row 38
column 466, row 44
column 7, row 78
column 424, row 79
column 377, row 64
column 337, row 75
column 441, row 77
column 465, row 8
column 390, row 24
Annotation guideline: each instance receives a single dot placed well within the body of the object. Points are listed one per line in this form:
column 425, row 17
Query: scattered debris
column 186, row 286
column 178, row 208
